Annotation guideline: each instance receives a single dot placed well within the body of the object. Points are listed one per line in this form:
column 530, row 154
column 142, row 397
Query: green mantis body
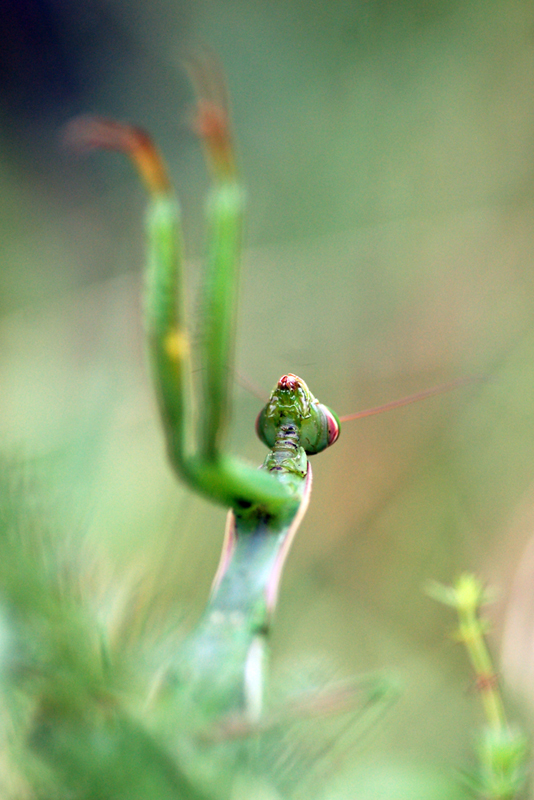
column 84, row 731
column 211, row 690
column 219, row 669
column 245, row 588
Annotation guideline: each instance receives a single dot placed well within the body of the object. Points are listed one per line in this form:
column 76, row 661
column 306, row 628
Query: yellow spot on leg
column 176, row 345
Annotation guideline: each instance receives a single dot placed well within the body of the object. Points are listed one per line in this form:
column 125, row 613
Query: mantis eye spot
column 334, row 428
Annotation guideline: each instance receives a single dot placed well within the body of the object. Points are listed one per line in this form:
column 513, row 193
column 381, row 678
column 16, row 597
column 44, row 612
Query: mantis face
column 292, row 401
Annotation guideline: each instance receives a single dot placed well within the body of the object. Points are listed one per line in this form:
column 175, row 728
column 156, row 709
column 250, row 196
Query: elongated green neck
column 222, row 661
column 255, row 548
column 249, row 573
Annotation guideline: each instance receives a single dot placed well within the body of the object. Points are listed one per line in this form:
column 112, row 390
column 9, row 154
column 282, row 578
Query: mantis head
column 292, row 402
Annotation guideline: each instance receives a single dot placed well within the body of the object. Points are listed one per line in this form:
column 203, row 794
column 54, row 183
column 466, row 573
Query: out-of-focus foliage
column 388, row 153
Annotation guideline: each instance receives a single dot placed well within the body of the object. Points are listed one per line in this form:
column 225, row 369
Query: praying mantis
column 223, row 658
column 219, row 672
column 217, row 678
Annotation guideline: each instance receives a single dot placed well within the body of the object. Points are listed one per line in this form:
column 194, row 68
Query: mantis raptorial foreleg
column 197, row 455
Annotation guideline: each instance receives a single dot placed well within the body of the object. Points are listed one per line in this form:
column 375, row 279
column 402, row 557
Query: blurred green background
column 388, row 149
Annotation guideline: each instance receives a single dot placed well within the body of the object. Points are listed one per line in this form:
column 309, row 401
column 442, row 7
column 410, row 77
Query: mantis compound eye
column 319, row 431
column 334, row 428
column 265, row 430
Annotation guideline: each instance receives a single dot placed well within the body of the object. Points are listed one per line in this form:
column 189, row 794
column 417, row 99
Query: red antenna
column 412, row 398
